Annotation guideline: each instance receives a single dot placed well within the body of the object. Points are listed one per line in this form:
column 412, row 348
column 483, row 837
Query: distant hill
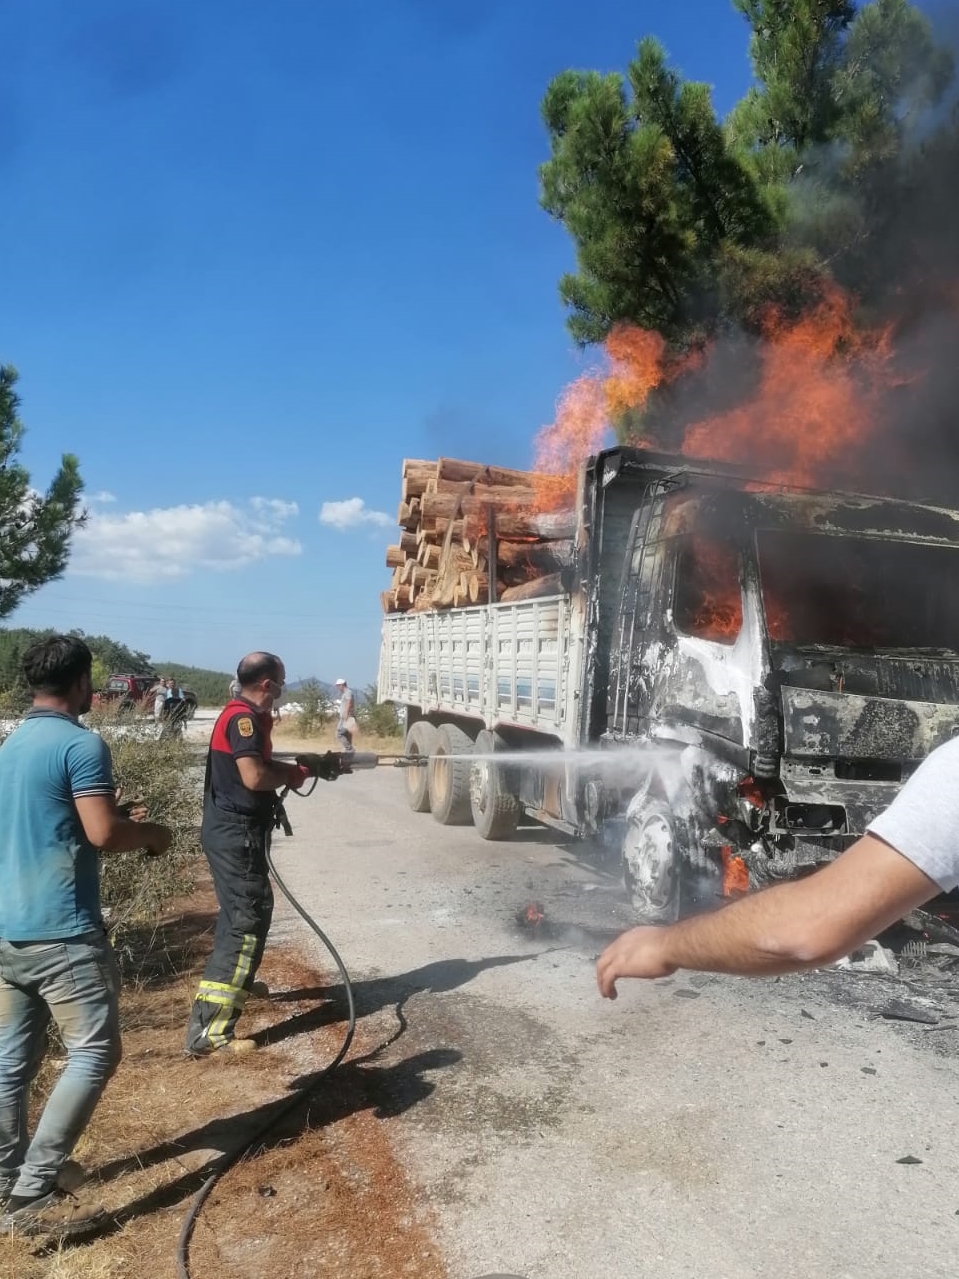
column 212, row 688
column 294, row 684
column 293, row 687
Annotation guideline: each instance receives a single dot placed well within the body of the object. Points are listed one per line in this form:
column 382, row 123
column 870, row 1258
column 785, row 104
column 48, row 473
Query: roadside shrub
column 166, row 776
column 14, row 701
column 377, row 718
column 314, row 714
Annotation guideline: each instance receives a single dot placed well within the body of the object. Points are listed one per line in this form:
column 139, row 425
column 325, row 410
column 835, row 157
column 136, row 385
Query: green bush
column 379, row 718
column 314, row 714
column 14, row 701
column 166, row 776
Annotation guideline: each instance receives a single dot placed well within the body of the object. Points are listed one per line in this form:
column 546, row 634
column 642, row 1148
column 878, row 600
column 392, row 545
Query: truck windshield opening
column 856, row 592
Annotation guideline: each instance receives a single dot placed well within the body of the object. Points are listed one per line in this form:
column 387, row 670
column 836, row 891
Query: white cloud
column 102, row 496
column 274, row 507
column 352, row 512
column 170, row 542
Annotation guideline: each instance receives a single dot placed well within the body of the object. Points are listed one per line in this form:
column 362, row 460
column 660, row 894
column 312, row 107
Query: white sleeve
column 922, row 822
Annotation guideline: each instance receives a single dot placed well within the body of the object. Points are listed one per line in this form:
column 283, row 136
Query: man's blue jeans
column 76, row 982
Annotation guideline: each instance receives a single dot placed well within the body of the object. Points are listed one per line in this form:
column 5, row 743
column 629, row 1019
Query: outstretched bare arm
column 804, row 924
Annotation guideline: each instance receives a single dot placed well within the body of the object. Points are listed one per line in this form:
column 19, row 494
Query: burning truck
column 725, row 680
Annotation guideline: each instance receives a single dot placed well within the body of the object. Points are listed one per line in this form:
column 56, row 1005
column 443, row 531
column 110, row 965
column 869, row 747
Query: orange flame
column 813, row 403
column 709, row 604
column 636, row 362
column 735, row 873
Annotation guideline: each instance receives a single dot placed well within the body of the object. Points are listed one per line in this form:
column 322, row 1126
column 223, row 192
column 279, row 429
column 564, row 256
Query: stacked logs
column 443, row 556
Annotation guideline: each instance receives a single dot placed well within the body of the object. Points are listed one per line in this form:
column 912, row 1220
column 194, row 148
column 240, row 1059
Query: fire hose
column 331, row 764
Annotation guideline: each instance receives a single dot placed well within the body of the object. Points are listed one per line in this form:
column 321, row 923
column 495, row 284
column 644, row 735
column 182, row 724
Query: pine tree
column 35, row 528
column 686, row 225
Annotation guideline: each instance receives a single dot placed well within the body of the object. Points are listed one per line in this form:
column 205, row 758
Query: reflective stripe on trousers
column 235, row 848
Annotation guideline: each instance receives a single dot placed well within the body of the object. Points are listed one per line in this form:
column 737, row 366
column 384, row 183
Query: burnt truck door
column 640, row 616
column 682, row 668
column 686, row 696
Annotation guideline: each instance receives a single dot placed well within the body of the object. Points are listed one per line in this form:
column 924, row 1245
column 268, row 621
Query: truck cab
column 782, row 661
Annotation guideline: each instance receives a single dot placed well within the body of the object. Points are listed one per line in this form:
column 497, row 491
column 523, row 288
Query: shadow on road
column 373, row 994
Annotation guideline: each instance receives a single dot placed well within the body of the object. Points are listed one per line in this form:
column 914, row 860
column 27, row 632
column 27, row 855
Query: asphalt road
column 699, row 1126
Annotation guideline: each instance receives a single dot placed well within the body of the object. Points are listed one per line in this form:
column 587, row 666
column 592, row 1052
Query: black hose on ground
column 296, row 1098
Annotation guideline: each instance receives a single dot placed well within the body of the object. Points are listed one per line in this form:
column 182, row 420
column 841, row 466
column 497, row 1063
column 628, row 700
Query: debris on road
column 870, row 958
column 899, row 1010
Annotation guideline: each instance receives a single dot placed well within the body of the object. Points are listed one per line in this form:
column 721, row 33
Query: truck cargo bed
column 506, row 664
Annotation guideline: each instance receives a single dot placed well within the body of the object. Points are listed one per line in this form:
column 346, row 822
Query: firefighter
column 239, row 813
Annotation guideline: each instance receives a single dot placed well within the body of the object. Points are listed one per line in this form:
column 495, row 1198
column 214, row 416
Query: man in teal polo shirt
column 58, row 807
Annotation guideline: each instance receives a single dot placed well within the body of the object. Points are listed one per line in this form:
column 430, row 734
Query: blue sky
column 254, row 256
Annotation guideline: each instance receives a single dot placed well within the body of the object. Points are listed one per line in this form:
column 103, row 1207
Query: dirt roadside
column 303, row 1205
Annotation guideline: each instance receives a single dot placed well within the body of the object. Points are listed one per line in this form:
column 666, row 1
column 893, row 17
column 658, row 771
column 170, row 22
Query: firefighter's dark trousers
column 236, row 848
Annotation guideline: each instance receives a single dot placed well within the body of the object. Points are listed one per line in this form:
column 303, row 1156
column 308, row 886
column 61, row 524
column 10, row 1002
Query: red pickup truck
column 135, row 693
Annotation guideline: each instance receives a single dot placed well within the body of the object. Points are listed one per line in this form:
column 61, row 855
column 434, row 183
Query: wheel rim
column 412, row 778
column 441, row 779
column 650, row 864
column 481, row 783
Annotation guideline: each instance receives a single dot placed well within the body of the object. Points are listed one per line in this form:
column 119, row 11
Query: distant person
column 159, row 704
column 58, row 801
column 239, row 813
column 234, row 689
column 346, row 724
column 909, row 854
column 173, row 715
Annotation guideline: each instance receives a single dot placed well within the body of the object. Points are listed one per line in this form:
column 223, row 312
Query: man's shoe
column 232, row 1046
column 54, row 1215
column 72, row 1176
column 240, row 1046
column 6, row 1190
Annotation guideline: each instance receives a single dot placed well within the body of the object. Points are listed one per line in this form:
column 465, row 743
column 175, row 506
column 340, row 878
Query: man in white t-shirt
column 909, row 854
column 346, row 723
column 159, row 692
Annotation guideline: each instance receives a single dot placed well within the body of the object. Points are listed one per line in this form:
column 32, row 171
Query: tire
column 420, row 741
column 495, row 808
column 652, row 863
column 450, row 778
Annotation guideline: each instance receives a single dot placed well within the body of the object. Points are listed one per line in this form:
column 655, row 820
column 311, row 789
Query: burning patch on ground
column 531, row 917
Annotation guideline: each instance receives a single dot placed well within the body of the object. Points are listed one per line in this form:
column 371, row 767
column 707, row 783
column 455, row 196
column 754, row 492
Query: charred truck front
column 756, row 669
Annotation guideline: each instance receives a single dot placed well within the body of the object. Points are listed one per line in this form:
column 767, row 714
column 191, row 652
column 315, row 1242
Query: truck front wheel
column 496, row 810
column 450, row 776
column 420, row 743
column 652, row 864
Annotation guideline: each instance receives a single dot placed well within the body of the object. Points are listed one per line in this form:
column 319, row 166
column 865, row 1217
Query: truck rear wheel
column 420, row 742
column 652, row 864
column 496, row 810
column 450, row 777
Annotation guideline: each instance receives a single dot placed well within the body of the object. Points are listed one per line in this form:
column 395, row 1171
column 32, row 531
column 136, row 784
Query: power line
column 184, row 608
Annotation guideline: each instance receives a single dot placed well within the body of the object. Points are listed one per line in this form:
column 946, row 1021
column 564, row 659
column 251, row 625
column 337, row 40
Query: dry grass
column 287, row 736
column 325, row 1197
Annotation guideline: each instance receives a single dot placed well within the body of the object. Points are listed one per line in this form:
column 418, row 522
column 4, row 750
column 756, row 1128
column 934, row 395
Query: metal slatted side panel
column 528, row 660
column 458, row 658
column 504, row 663
column 400, row 652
